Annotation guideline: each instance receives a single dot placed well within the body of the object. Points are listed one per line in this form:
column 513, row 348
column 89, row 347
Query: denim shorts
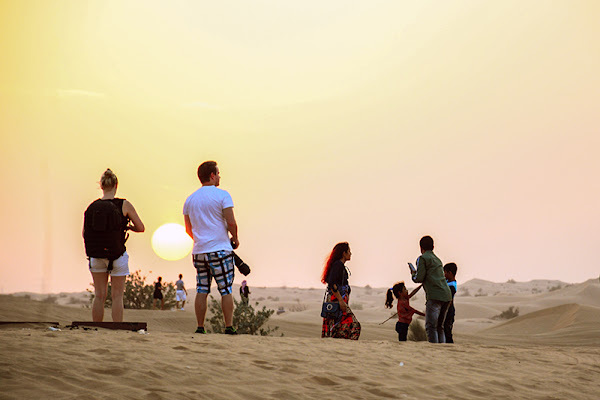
column 218, row 265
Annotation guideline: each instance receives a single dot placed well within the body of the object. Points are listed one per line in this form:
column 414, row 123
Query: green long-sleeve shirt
column 430, row 272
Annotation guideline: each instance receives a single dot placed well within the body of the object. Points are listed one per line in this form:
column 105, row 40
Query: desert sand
column 550, row 351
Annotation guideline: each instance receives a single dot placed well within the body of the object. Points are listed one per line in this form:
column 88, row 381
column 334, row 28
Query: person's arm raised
column 415, row 291
column 419, row 276
column 136, row 222
column 231, row 226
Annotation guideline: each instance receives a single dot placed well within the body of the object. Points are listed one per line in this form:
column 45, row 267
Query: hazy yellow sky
column 372, row 122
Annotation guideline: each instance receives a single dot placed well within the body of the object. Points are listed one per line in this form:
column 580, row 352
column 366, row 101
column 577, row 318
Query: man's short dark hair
column 206, row 169
column 426, row 243
column 450, row 267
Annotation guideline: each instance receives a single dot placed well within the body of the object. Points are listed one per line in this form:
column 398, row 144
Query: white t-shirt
column 205, row 208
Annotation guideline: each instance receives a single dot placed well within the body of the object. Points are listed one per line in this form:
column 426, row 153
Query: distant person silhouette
column 244, row 292
column 106, row 222
column 158, row 294
column 181, row 294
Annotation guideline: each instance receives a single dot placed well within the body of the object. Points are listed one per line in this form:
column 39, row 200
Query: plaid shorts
column 218, row 264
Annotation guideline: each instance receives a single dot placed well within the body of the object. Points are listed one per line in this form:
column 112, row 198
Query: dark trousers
column 402, row 329
column 448, row 323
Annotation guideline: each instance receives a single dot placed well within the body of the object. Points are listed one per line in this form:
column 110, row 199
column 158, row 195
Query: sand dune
column 547, row 353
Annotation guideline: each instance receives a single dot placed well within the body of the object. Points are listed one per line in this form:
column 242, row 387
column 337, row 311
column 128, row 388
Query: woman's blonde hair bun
column 108, row 180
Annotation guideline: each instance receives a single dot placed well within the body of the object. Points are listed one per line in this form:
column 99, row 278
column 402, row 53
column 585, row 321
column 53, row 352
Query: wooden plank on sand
column 27, row 322
column 127, row 326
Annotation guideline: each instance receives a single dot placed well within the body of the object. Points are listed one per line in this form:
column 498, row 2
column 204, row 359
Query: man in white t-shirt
column 209, row 219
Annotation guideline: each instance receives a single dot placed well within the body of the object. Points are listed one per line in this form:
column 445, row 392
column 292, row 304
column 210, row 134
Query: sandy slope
column 551, row 352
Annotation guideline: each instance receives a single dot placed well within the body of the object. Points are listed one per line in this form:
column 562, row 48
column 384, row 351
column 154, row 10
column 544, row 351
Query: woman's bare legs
column 117, row 284
column 100, row 289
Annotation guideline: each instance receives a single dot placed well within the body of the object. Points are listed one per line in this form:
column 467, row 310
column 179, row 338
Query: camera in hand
column 239, row 263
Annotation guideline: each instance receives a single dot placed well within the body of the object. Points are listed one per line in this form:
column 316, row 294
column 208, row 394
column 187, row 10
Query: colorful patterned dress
column 343, row 325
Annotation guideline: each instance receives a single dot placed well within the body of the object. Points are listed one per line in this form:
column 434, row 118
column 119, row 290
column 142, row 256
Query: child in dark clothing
column 405, row 311
column 450, row 274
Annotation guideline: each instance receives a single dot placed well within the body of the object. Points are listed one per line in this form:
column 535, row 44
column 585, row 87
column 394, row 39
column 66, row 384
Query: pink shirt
column 405, row 311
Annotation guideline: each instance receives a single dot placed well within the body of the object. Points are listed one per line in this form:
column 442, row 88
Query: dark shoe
column 200, row 329
column 230, row 330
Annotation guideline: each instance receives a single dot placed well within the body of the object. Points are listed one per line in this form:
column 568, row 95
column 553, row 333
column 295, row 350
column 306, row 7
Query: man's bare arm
column 231, row 225
column 188, row 226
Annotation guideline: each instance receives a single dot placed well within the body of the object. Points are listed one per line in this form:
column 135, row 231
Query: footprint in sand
column 263, row 364
column 321, row 380
column 99, row 351
column 108, row 371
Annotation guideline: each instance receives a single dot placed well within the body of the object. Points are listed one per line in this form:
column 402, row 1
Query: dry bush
column 510, row 313
column 50, row 300
column 298, row 307
column 416, row 331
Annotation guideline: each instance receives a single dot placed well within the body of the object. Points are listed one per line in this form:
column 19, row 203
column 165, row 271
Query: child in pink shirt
column 405, row 311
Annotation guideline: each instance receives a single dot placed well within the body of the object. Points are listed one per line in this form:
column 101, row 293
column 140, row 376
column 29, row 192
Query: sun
column 171, row 242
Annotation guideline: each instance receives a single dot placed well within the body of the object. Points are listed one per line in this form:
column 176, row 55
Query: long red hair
column 336, row 254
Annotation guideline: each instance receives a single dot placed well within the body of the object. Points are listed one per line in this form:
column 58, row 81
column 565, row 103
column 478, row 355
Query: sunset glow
column 369, row 122
column 171, row 242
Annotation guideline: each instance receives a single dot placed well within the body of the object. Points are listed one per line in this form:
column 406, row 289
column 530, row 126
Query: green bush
column 245, row 318
column 139, row 295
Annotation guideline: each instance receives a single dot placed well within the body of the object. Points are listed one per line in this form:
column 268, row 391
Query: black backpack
column 105, row 230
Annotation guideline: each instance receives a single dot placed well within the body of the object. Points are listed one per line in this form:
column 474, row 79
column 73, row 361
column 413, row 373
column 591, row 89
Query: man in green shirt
column 430, row 272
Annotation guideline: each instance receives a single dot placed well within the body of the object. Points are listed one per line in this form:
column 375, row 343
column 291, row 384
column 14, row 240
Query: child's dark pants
column 402, row 329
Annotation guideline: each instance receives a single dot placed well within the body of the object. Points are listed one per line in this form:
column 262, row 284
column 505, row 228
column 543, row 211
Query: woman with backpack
column 106, row 222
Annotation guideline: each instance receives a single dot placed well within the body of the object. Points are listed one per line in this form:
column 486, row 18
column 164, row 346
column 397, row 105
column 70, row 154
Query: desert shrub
column 245, row 318
column 511, row 281
column 416, row 331
column 298, row 306
column 553, row 288
column 138, row 294
column 75, row 300
column 50, row 299
column 510, row 313
column 357, row 306
column 464, row 293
